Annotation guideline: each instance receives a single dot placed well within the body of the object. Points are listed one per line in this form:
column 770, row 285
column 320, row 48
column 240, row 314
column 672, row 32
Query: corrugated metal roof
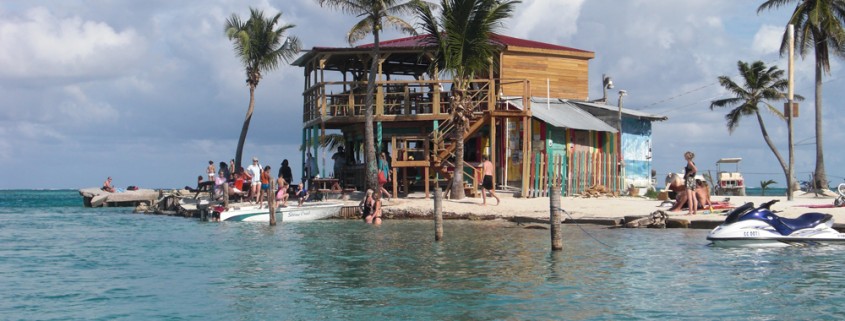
column 563, row 114
column 625, row 111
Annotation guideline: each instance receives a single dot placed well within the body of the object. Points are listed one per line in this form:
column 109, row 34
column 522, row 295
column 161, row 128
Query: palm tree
column 462, row 35
column 761, row 85
column 375, row 14
column 818, row 27
column 261, row 47
column 764, row 185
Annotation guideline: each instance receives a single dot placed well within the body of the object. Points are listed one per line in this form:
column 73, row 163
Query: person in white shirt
column 254, row 171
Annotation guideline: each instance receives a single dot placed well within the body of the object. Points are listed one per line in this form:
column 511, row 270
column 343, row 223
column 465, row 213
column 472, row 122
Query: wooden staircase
column 444, row 148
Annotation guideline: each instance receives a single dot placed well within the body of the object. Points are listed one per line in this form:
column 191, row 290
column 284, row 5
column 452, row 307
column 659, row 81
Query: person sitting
column 107, row 186
column 675, row 184
column 202, row 186
column 302, row 193
column 366, row 206
column 375, row 216
column 282, row 193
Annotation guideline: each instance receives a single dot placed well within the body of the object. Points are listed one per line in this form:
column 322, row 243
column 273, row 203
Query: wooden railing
column 399, row 98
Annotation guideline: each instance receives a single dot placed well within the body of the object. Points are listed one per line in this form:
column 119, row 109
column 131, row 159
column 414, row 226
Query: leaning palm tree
column 375, row 14
column 819, row 26
column 261, row 47
column 761, row 85
column 462, row 35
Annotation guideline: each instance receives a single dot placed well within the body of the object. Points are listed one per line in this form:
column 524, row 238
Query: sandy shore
column 601, row 207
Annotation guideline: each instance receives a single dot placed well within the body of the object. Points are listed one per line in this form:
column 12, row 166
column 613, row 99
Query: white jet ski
column 760, row 227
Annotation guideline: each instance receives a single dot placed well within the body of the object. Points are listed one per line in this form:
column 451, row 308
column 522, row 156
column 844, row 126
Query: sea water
column 60, row 261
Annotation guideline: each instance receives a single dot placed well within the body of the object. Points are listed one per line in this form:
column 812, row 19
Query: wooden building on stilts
column 525, row 117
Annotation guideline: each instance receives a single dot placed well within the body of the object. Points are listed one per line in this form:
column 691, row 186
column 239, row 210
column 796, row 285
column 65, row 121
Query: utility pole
column 790, row 30
column 621, row 159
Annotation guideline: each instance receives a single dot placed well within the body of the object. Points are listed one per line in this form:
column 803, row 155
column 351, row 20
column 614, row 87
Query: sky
column 148, row 92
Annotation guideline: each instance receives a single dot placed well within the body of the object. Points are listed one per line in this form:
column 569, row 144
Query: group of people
column 251, row 183
column 689, row 191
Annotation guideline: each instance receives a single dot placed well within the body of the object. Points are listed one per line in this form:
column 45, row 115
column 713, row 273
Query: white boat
column 292, row 213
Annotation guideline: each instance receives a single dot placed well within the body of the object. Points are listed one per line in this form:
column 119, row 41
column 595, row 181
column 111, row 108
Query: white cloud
column 41, row 44
column 545, row 17
column 767, row 40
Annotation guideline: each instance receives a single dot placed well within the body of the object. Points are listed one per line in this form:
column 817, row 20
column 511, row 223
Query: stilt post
column 555, row 217
column 438, row 213
column 271, row 202
column 226, row 195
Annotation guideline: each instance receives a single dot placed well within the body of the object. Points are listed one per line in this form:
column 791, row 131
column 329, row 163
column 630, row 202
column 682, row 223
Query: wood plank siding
column 567, row 72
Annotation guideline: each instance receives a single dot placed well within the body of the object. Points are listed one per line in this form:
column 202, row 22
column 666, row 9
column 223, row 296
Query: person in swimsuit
column 366, row 206
column 282, row 193
column 376, row 210
column 265, row 186
column 487, row 182
column 210, row 170
column 107, row 185
column 689, row 181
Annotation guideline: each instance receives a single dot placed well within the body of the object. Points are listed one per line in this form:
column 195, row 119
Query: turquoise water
column 64, row 262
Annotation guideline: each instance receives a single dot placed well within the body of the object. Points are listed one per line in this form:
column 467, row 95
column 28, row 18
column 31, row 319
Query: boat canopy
column 729, row 160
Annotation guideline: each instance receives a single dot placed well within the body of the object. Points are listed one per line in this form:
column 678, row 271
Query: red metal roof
column 420, row 41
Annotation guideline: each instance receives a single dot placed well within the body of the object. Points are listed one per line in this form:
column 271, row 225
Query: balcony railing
column 399, row 98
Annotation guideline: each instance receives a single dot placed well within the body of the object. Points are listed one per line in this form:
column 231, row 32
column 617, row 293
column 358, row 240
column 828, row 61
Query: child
column 302, row 193
column 282, row 193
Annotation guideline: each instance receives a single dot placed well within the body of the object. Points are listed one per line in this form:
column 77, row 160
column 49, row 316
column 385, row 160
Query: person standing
column 689, row 181
column 232, row 169
column 487, row 181
column 383, row 175
column 210, row 170
column 286, row 173
column 254, row 172
column 265, row 186
column 226, row 173
column 311, row 169
column 339, row 163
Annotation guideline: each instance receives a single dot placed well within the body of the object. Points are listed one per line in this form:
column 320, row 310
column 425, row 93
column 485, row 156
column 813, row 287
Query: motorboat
column 761, row 227
column 308, row 211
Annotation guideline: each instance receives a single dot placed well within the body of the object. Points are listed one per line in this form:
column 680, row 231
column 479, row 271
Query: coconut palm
column 374, row 15
column 261, row 47
column 462, row 35
column 764, row 185
column 761, row 85
column 820, row 27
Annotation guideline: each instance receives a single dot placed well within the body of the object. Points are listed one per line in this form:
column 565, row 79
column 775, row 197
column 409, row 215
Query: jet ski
column 760, row 227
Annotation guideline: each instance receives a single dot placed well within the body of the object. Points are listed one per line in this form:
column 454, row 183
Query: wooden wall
column 567, row 74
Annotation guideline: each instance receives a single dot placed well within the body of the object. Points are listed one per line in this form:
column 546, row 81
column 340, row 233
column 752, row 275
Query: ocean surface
column 60, row 261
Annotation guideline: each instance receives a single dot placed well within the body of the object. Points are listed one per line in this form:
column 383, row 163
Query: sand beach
column 583, row 209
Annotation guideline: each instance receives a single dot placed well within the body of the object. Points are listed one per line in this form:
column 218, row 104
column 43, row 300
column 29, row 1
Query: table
column 324, row 186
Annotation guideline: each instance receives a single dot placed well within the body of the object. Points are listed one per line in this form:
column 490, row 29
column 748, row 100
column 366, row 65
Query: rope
column 582, row 228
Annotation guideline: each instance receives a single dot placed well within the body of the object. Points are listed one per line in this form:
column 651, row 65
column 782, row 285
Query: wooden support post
column 438, row 213
column 271, row 202
column 226, row 195
column 555, row 217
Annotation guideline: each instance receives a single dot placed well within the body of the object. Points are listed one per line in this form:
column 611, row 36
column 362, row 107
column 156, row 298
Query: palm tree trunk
column 820, row 180
column 772, row 146
column 245, row 128
column 458, row 175
column 369, row 137
column 459, row 116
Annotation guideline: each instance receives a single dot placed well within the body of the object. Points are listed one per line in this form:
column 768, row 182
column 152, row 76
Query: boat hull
column 306, row 212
